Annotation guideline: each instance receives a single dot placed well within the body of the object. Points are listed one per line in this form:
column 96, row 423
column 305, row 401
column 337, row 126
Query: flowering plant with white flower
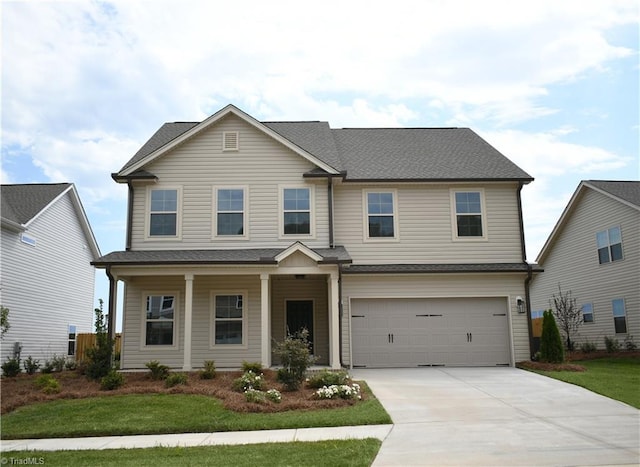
column 342, row 391
column 274, row 395
column 249, row 380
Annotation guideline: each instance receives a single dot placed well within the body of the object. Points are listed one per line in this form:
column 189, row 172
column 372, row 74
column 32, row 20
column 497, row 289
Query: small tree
column 99, row 356
column 551, row 349
column 568, row 315
column 295, row 358
column 4, row 321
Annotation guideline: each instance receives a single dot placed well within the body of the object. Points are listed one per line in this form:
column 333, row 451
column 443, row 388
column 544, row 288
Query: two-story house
column 393, row 247
column 594, row 252
column 46, row 278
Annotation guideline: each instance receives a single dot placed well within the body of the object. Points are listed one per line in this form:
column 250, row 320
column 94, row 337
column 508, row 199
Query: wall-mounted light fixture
column 520, row 304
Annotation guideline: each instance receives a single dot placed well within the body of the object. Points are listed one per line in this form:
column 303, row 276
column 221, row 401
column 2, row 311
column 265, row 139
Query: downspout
column 113, row 286
column 527, row 281
column 330, row 201
column 129, row 216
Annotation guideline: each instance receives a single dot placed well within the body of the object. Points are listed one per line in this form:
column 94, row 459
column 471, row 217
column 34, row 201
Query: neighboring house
column 46, row 276
column 393, row 247
column 594, row 251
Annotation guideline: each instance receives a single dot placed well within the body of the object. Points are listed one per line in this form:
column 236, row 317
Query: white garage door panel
column 423, row 332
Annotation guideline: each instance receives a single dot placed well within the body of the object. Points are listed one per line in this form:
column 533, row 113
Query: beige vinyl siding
column 308, row 288
column 47, row 286
column 439, row 286
column 572, row 262
column 199, row 165
column 426, row 225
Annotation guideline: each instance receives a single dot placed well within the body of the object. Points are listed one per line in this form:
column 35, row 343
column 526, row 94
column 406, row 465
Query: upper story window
column 163, row 213
column 609, row 245
column 619, row 316
column 587, row 313
column 296, row 209
column 160, row 319
column 229, row 319
column 469, row 218
column 381, row 214
column 230, row 215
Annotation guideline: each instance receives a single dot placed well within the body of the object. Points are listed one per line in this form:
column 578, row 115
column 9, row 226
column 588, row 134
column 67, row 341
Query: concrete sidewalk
column 198, row 439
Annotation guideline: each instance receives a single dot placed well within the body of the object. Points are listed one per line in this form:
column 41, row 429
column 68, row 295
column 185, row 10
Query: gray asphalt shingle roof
column 381, row 153
column 20, row 203
column 626, row 190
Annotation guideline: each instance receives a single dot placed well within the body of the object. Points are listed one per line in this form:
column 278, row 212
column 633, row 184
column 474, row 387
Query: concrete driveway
column 499, row 416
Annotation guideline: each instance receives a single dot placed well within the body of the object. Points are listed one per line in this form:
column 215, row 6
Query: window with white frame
column 228, row 319
column 587, row 313
column 609, row 245
column 71, row 347
column 160, row 315
column 230, row 215
column 381, row 216
column 619, row 316
column 468, row 214
column 296, row 209
column 163, row 213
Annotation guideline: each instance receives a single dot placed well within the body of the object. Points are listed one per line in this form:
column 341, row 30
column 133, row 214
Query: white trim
column 312, row 212
column 365, row 219
column 147, row 214
column 298, row 247
column 212, row 318
column 454, row 215
column 229, row 109
column 176, row 319
column 245, row 213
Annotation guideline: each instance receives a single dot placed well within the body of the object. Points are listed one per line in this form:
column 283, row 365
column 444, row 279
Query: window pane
column 618, row 307
column 228, row 332
column 163, row 224
column 603, row 255
column 616, row 252
column 296, row 199
column 587, row 313
column 159, row 333
column 614, row 235
column 469, row 226
column 228, row 306
column 620, row 324
column 230, row 200
column 164, row 200
column 71, row 348
column 381, row 226
column 601, row 239
column 160, row 307
column 468, row 203
column 380, row 203
column 296, row 223
column 230, row 224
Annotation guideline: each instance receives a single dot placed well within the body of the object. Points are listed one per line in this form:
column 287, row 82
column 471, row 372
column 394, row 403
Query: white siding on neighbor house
column 426, row 225
column 439, row 286
column 199, row 165
column 573, row 263
column 49, row 286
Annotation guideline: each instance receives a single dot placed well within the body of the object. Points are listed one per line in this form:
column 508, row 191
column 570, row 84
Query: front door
column 300, row 316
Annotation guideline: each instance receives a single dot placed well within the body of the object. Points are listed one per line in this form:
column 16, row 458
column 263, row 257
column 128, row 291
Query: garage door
column 429, row 332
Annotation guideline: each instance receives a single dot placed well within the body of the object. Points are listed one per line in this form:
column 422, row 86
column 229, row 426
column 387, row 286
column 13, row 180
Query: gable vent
column 230, row 141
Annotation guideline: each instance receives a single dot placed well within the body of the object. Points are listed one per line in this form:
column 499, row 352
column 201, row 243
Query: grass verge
column 335, row 453
column 617, row 378
column 170, row 413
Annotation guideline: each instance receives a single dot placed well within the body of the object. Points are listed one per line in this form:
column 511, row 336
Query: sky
column 553, row 85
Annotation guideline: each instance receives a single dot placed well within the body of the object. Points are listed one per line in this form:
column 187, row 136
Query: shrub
column 209, row 371
column 174, row 379
column 70, row 365
column 274, row 396
column 158, row 371
column 256, row 367
column 328, row 378
column 611, row 344
column 588, row 347
column 58, row 362
column 342, row 391
column 11, row 367
column 551, row 349
column 255, row 396
column 48, row 384
column 295, row 358
column 48, row 366
column 249, row 380
column 113, row 380
column 629, row 344
column 31, row 365
column 99, row 357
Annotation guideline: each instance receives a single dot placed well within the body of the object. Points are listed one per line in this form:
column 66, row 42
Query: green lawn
column 169, row 413
column 617, row 378
column 334, row 453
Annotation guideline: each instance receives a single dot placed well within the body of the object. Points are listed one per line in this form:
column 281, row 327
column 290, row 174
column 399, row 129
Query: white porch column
column 265, row 321
column 188, row 320
column 334, row 321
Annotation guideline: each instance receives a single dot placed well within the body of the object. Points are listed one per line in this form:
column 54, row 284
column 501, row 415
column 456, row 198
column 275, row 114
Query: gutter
column 527, row 281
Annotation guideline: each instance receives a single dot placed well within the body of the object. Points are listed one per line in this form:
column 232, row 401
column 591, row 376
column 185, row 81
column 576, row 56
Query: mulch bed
column 573, row 359
column 21, row 390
